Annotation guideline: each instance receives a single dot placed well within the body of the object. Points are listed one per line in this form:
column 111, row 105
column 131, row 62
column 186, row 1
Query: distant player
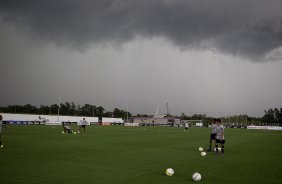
column 83, row 125
column 186, row 127
column 1, row 131
column 219, row 136
column 213, row 134
column 66, row 128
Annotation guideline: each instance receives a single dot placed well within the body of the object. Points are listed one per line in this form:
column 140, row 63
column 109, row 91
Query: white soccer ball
column 169, row 172
column 196, row 176
column 63, row 132
column 203, row 153
column 201, row 149
column 74, row 132
column 2, row 146
column 219, row 149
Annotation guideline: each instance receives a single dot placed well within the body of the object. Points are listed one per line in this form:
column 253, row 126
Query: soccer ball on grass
column 219, row 149
column 169, row 172
column 203, row 153
column 196, row 176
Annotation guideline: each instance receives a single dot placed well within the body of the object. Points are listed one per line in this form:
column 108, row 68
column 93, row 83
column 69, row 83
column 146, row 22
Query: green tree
column 44, row 110
column 54, row 109
column 87, row 110
column 100, row 112
column 73, row 110
column 108, row 114
column 269, row 116
column 183, row 116
column 273, row 116
column 118, row 113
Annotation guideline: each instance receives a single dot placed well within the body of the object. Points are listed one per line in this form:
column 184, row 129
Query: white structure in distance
column 53, row 120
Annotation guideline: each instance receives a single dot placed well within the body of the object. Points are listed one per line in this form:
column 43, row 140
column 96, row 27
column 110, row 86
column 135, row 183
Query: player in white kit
column 186, row 129
column 219, row 136
column 213, row 133
column 83, row 125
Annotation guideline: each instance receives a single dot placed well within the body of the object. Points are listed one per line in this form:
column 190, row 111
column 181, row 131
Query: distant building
column 156, row 121
column 56, row 120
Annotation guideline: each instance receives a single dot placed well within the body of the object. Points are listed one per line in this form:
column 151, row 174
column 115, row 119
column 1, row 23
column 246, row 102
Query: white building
column 45, row 119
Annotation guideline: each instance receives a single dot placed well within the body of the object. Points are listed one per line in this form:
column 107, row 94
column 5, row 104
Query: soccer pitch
column 118, row 154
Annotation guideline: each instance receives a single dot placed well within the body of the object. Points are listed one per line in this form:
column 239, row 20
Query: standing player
column 186, row 129
column 213, row 134
column 219, row 136
column 1, row 131
column 83, row 125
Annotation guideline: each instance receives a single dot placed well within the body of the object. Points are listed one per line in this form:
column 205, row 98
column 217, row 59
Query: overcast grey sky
column 206, row 56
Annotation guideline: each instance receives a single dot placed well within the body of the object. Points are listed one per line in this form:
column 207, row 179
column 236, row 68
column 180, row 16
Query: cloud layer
column 247, row 28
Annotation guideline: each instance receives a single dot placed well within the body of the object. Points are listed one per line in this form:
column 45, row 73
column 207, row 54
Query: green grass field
column 118, row 154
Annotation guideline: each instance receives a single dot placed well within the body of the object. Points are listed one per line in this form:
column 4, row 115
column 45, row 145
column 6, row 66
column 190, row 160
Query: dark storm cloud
column 247, row 28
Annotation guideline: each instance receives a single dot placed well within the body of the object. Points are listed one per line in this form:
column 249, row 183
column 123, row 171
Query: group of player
column 217, row 136
column 67, row 129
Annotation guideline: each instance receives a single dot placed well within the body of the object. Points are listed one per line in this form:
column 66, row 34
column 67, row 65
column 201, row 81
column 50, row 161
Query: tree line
column 273, row 116
column 66, row 109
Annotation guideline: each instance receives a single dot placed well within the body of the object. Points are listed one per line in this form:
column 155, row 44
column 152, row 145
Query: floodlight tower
column 127, row 112
column 59, row 106
column 167, row 112
column 246, row 118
